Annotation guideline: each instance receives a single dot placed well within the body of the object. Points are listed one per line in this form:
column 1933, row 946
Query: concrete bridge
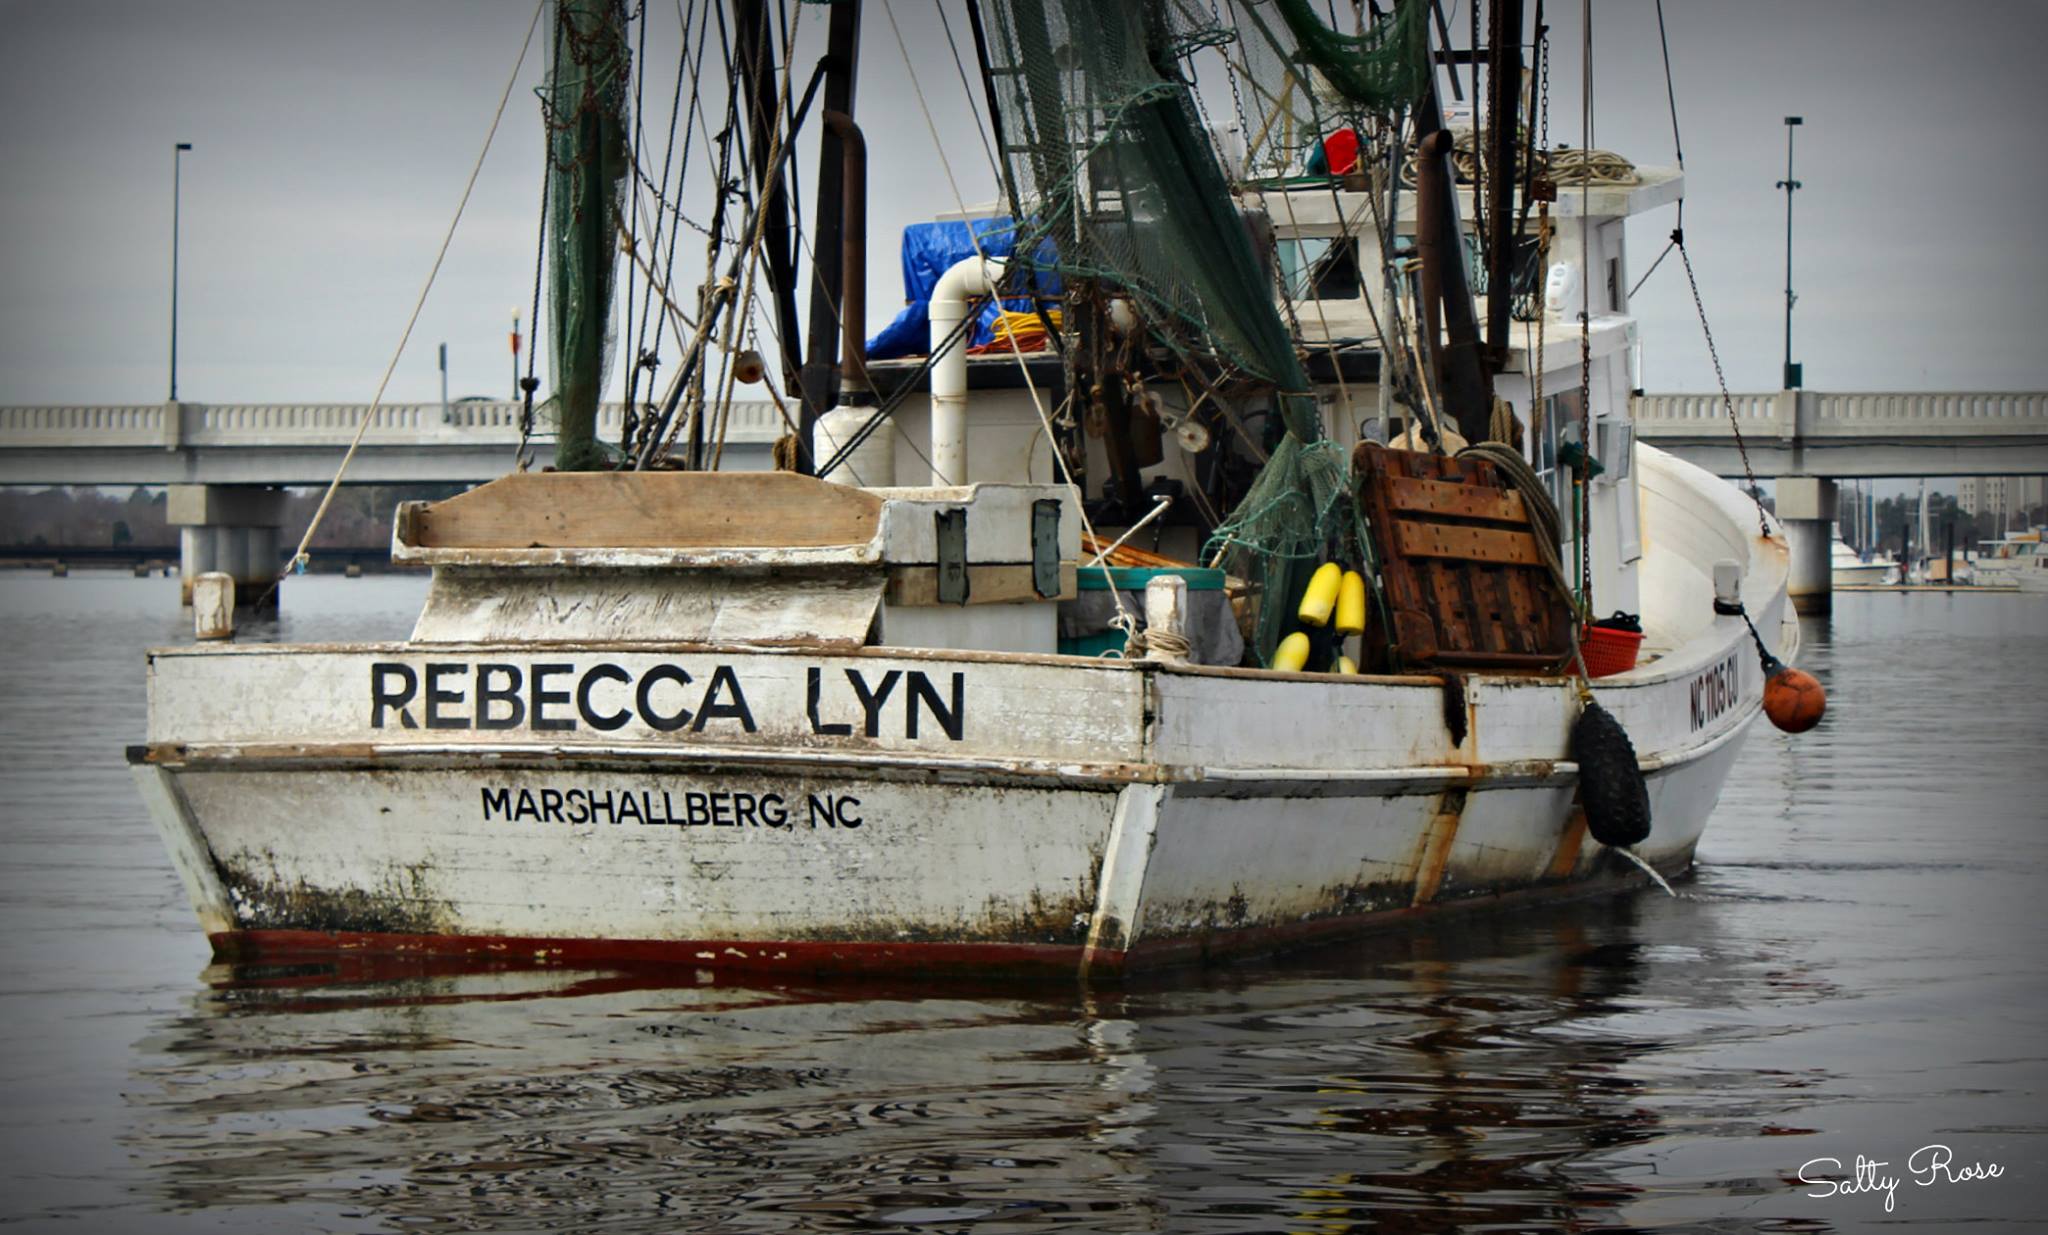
column 1807, row 440
column 299, row 443
column 1843, row 436
column 223, row 463
column 1789, row 433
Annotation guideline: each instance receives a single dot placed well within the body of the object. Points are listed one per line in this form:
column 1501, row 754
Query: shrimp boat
column 815, row 719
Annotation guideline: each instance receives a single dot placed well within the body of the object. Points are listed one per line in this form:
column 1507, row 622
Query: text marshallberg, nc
column 688, row 808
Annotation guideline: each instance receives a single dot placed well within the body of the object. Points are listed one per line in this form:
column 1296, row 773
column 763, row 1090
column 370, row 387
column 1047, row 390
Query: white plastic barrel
column 872, row 464
column 213, row 605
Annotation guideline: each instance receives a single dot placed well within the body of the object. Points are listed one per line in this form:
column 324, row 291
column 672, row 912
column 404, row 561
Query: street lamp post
column 177, row 156
column 1791, row 186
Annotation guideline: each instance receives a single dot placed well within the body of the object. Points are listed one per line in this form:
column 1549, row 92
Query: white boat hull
column 899, row 853
column 888, row 808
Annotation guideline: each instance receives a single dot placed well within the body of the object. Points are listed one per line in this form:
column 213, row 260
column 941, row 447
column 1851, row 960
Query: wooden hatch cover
column 680, row 510
column 1466, row 587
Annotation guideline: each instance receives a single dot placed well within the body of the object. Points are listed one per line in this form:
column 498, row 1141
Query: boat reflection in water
column 1493, row 1072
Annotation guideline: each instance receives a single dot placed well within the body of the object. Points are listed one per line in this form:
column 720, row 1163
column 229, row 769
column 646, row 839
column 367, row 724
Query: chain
column 1482, row 163
column 1582, row 498
column 1537, row 412
column 1583, row 504
column 1236, row 99
column 1763, row 521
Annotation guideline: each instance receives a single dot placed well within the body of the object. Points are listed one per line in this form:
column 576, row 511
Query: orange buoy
column 1794, row 699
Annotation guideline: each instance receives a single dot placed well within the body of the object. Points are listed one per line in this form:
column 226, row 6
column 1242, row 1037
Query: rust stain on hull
column 1568, row 845
column 1435, row 850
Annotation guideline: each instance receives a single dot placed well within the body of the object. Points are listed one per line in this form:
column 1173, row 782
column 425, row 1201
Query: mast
column 586, row 114
column 1466, row 384
column 1926, row 541
column 819, row 381
column 1504, row 101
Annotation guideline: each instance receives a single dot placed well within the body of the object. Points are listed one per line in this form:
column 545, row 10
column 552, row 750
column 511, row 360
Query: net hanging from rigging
column 1103, row 136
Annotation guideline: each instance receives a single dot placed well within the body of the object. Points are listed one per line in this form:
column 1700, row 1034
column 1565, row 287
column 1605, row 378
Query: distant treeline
column 1896, row 515
column 89, row 517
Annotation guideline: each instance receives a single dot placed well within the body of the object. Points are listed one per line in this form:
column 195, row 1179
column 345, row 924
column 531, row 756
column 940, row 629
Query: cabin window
column 1321, row 268
column 1527, row 274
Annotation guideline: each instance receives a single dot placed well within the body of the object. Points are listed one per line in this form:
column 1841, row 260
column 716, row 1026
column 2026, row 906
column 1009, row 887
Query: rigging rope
column 1582, row 488
column 1692, row 282
column 298, row 562
column 528, row 384
column 1763, row 519
column 629, row 222
column 742, row 312
column 1677, row 153
column 642, row 357
column 1565, row 165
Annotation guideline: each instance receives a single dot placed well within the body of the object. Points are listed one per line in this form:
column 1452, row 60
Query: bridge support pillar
column 1806, row 506
column 229, row 528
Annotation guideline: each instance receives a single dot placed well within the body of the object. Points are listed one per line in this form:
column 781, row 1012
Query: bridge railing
column 1924, row 415
column 1807, row 413
column 122, row 425
column 256, row 425
column 1706, row 415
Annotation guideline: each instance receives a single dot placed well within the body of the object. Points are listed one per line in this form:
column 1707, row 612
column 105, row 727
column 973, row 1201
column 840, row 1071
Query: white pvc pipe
column 957, row 290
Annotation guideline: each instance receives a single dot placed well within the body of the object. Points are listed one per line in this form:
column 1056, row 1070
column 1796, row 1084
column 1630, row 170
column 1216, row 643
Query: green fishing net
column 1383, row 67
column 1298, row 506
column 1108, row 154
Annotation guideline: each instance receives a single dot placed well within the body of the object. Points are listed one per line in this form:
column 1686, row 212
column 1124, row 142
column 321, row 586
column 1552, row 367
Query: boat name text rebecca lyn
column 699, row 809
column 1715, row 690
column 560, row 696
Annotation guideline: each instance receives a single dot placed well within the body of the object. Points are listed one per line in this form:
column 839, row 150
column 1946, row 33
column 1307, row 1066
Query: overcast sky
column 332, row 141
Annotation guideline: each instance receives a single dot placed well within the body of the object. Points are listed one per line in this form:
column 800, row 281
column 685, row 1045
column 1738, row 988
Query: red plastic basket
column 1607, row 651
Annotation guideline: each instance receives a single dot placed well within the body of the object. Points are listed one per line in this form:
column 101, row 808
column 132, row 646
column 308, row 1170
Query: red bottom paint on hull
column 806, row 956
column 863, row 957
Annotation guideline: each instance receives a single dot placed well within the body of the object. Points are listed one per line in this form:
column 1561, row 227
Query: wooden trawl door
column 1466, row 584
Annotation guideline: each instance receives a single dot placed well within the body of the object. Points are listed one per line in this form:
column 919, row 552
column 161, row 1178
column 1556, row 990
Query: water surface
column 1856, row 969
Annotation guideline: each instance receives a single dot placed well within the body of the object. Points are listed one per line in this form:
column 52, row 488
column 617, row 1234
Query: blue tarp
column 931, row 249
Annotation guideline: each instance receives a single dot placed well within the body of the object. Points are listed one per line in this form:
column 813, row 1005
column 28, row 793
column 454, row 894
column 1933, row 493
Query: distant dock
column 1943, row 588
